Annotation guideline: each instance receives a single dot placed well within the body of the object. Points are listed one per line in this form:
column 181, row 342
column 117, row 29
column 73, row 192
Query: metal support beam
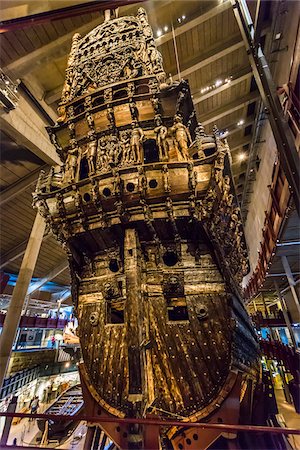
column 282, row 133
column 21, row 185
column 291, row 281
column 14, row 312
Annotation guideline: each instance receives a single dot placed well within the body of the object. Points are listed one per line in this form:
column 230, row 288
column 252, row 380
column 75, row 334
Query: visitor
column 53, row 341
column 34, row 405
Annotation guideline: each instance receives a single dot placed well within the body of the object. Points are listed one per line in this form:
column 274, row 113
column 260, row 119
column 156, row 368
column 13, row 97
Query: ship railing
column 153, row 423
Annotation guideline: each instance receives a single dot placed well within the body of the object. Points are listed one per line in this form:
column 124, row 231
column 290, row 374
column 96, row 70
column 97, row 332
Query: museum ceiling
column 204, row 47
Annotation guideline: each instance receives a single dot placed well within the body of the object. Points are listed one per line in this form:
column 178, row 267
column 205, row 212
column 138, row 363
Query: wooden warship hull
column 144, row 205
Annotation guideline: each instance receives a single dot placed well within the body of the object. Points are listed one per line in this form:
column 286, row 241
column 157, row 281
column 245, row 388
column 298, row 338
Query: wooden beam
column 53, row 95
column 21, row 185
column 17, row 252
column 54, row 272
column 244, row 141
column 234, row 127
column 193, row 23
column 61, row 13
column 16, row 305
column 56, row 49
column 28, row 130
column 211, row 55
column 197, row 98
column 47, row 53
column 62, row 45
column 225, row 110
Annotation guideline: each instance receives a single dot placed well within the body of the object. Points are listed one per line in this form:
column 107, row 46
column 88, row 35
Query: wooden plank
column 33, row 37
column 17, row 45
column 41, row 32
column 59, row 27
column 51, row 31
column 193, row 23
column 8, row 176
column 211, row 55
column 22, row 37
column 215, row 115
column 11, row 52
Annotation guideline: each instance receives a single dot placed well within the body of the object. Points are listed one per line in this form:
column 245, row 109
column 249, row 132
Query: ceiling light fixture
column 158, row 33
column 242, row 156
column 240, row 122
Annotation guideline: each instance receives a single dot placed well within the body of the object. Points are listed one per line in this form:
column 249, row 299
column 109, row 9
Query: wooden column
column 134, row 318
column 14, row 312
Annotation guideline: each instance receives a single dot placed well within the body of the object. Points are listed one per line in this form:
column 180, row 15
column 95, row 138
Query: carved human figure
column 226, row 188
column 125, row 149
column 161, row 134
column 130, row 90
column 234, row 218
column 71, row 127
column 200, row 133
column 182, row 137
column 117, row 183
column 90, row 120
column 142, row 182
column 133, row 110
column 102, row 156
column 192, row 206
column 170, row 143
column 40, row 182
column 71, row 164
column 62, row 115
column 137, row 136
column 166, row 178
column 91, row 155
column 156, row 104
column 111, row 117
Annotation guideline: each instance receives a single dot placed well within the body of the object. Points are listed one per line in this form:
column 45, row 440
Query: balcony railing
column 38, row 322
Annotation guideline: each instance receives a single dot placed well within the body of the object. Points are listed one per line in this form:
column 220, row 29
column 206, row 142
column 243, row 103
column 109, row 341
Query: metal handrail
column 156, row 422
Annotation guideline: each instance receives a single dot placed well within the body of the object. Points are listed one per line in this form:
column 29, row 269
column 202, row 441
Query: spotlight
column 240, row 122
column 242, row 156
column 158, row 33
column 166, row 29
